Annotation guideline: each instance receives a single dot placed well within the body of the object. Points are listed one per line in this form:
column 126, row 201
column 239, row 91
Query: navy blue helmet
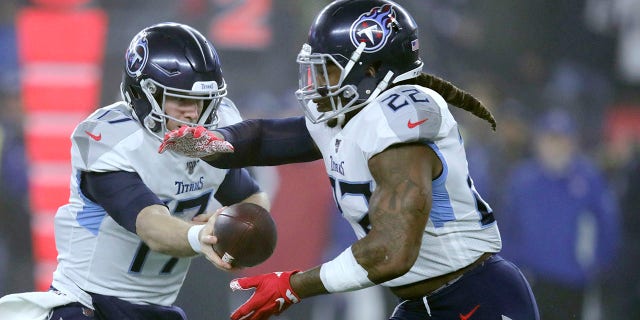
column 171, row 59
column 356, row 36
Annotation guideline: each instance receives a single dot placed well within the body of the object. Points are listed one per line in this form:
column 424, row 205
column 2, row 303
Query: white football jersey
column 95, row 254
column 461, row 226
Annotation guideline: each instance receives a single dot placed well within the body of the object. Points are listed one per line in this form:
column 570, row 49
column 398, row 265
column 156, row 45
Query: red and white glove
column 273, row 295
column 195, row 142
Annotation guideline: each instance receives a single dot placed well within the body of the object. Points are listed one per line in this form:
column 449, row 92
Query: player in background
column 136, row 218
column 397, row 165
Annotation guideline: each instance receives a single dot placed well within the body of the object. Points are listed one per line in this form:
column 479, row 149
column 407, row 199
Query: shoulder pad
column 228, row 113
column 414, row 112
column 105, row 131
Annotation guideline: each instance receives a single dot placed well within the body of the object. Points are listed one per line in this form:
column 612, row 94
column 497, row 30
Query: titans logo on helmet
column 373, row 28
column 137, row 55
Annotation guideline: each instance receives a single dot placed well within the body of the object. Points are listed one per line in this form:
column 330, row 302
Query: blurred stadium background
column 61, row 59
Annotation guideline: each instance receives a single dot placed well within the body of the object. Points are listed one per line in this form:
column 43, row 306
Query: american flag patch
column 415, row 45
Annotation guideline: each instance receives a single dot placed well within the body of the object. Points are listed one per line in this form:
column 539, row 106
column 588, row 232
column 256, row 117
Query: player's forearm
column 259, row 198
column 162, row 232
column 308, row 283
column 266, row 142
column 343, row 273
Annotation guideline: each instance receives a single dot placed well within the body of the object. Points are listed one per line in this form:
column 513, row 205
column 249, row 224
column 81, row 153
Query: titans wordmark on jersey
column 95, row 254
column 461, row 225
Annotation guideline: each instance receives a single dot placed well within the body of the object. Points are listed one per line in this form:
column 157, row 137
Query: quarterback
column 136, row 218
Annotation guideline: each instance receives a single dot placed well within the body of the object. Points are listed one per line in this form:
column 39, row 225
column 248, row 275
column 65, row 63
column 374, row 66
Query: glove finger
column 247, row 282
column 247, row 310
column 236, row 285
column 238, row 315
column 170, row 139
column 171, row 136
column 199, row 131
column 166, row 145
column 182, row 131
column 262, row 314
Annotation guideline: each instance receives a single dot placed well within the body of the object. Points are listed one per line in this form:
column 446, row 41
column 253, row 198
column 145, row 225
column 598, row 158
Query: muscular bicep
column 399, row 207
column 401, row 201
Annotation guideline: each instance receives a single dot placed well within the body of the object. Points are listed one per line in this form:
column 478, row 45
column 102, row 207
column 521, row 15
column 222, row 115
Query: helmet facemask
column 315, row 84
column 343, row 96
column 374, row 43
column 156, row 94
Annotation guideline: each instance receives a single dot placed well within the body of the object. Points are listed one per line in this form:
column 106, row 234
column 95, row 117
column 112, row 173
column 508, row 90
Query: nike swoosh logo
column 97, row 137
column 280, row 301
column 468, row 315
column 412, row 125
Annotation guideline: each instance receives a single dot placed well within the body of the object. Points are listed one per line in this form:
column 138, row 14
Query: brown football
column 246, row 234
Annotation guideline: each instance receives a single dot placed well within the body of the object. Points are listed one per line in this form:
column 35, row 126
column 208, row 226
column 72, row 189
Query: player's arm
column 258, row 142
column 127, row 200
column 164, row 233
column 266, row 142
column 259, row 198
column 398, row 211
column 238, row 186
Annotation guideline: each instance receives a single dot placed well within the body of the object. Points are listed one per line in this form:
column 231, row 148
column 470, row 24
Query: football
column 246, row 234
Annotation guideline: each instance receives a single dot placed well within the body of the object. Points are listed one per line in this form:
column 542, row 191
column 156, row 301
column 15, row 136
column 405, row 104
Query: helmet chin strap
column 382, row 85
column 353, row 60
column 409, row 74
column 207, row 112
column 340, row 119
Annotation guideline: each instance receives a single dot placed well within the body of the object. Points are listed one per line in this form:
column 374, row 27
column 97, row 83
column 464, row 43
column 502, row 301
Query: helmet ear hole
column 373, row 69
column 366, row 86
column 153, row 125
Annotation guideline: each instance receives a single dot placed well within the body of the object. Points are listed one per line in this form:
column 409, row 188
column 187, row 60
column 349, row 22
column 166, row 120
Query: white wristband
column 344, row 273
column 194, row 240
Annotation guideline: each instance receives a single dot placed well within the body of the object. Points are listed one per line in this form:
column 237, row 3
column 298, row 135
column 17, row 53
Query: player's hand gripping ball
column 246, row 234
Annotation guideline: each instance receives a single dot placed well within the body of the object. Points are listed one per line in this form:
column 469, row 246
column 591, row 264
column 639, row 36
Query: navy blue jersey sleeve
column 267, row 142
column 122, row 194
column 237, row 186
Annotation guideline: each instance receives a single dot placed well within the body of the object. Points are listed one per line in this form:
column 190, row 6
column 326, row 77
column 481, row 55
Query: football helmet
column 354, row 36
column 171, row 59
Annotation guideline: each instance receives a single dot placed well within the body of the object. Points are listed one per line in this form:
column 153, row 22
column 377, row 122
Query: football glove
column 273, row 295
column 194, row 142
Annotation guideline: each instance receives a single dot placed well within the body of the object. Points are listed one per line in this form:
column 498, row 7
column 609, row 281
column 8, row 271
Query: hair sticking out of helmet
column 373, row 43
column 171, row 60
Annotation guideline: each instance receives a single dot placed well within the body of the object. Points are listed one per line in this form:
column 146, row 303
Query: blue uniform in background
column 560, row 220
column 563, row 228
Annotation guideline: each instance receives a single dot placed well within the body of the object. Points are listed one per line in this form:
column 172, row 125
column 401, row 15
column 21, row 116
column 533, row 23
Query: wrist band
column 194, row 240
column 344, row 273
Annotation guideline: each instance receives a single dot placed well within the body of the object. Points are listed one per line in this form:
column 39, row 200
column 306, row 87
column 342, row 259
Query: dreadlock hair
column 454, row 96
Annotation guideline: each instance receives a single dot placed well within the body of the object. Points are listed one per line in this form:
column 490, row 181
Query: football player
column 136, row 218
column 397, row 165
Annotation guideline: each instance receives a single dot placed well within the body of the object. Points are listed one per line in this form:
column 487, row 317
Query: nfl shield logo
column 191, row 165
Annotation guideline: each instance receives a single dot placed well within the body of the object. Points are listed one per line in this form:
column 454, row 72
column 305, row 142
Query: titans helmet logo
column 137, row 55
column 373, row 28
